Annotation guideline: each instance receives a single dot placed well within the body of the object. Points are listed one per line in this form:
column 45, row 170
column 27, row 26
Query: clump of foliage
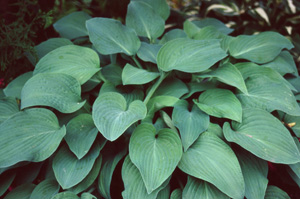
column 188, row 113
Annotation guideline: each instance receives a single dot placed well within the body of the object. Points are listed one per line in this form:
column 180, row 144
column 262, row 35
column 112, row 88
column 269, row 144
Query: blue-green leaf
column 275, row 192
column 45, row 189
column 112, row 116
column 21, row 192
column 263, row 135
column 59, row 91
column 172, row 34
column 135, row 76
column 109, row 36
column 66, row 195
column 8, row 107
column 189, row 55
column 155, row 154
column 148, row 52
column 38, row 133
column 14, row 88
column 212, row 160
column 260, row 48
column 161, row 7
column 6, row 179
column 191, row 123
column 220, row 103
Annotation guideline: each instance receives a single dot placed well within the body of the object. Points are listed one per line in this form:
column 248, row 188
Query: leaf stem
column 155, row 86
column 101, row 77
column 137, row 62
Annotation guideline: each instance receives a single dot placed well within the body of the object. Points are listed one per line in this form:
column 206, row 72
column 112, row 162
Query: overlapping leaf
column 79, row 62
column 112, row 116
column 191, row 123
column 263, row 135
column 260, row 48
column 155, row 154
column 14, row 88
column 135, row 76
column 188, row 55
column 159, row 6
column 220, row 103
column 109, row 36
column 59, row 91
column 275, row 192
column 144, row 20
column 8, row 107
column 45, row 189
column 38, row 133
column 148, row 52
column 212, row 160
column 23, row 191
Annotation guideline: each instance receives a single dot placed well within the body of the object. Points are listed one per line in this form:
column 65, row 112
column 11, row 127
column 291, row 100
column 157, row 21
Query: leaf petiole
column 137, row 62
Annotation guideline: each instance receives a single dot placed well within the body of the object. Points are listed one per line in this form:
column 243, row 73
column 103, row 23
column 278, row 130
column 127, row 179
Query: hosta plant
column 116, row 110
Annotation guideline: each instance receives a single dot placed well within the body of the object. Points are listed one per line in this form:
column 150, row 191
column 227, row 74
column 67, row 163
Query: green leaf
column 89, row 179
column 148, row 52
column 260, row 48
column 195, row 87
column 38, row 133
column 249, row 69
column 112, row 73
column 51, row 44
column 72, row 25
column 210, row 159
column 264, row 93
column 6, row 180
column 172, row 34
column 176, row 194
column 220, row 103
column 161, row 7
column 155, row 154
column 189, row 55
column 191, row 123
column 294, row 122
column 59, row 91
column 14, row 88
column 215, row 129
column 109, row 36
column 228, row 74
column 171, row 87
column 295, row 82
column 21, row 192
column 263, row 135
column 208, row 32
column 45, row 189
column 134, row 184
column 77, row 61
column 66, row 195
column 274, row 192
column 8, row 107
column 68, row 170
column 283, row 64
column 87, row 195
column 220, row 26
column 81, row 134
column 196, row 188
column 144, row 20
column 135, row 76
column 106, row 173
column 164, row 193
column 255, row 172
column 113, row 116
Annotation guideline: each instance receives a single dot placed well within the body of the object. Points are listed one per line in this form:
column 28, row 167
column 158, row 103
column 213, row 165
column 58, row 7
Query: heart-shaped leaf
column 228, row 74
column 212, row 160
column 260, row 48
column 263, row 135
column 143, row 19
column 188, row 55
column 161, row 7
column 68, row 170
column 283, row 64
column 191, row 123
column 79, row 62
column 196, row 188
column 8, row 107
column 133, row 183
column 59, row 91
column 14, row 88
column 109, row 36
column 112, row 116
column 267, row 94
column 38, row 133
column 45, row 189
column 135, row 76
column 81, row 134
column 255, row 171
column 148, row 52
column 220, row 103
column 155, row 154
column 72, row 25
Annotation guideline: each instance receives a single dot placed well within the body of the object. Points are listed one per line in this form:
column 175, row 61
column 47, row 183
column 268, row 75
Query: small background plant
column 147, row 108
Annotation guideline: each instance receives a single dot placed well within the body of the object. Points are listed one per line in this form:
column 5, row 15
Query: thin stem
column 137, row 62
column 101, row 77
column 155, row 86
